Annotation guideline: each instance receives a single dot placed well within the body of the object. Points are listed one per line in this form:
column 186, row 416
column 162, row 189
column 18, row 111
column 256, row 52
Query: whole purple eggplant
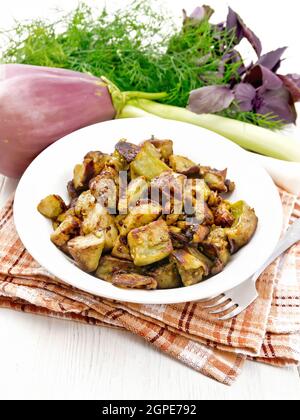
column 39, row 105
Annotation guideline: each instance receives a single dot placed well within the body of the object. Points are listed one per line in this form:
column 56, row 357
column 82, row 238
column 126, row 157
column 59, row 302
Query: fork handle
column 291, row 237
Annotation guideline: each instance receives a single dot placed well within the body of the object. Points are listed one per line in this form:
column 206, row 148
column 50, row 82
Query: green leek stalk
column 248, row 136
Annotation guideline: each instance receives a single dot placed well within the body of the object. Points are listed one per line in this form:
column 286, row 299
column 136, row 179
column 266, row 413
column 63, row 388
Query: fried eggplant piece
column 183, row 165
column 134, row 281
column 196, row 196
column 168, row 189
column 147, row 162
column 243, row 228
column 203, row 215
column 216, row 247
column 99, row 161
column 137, row 190
column 178, row 238
column 65, row 231
column 87, row 250
column 104, row 187
column 214, row 199
column 166, row 275
column 62, row 217
column 193, row 266
column 165, row 148
column 121, row 249
column 172, row 219
column 119, row 220
column 146, row 212
column 52, row 206
column 230, row 185
column 199, row 233
column 150, row 244
column 117, row 161
column 99, row 219
column 82, row 174
column 216, row 180
column 84, row 204
column 73, row 193
column 129, row 151
column 110, row 266
column 223, row 215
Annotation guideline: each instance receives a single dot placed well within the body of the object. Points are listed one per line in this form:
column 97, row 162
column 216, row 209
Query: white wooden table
column 43, row 358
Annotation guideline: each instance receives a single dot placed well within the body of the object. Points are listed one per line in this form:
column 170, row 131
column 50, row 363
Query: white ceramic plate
column 51, row 171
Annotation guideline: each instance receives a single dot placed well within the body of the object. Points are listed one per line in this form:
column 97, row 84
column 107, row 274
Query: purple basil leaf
column 272, row 60
column 210, row 99
column 236, row 23
column 263, row 78
column 199, row 15
column 292, row 83
column 278, row 102
column 245, row 94
column 233, row 57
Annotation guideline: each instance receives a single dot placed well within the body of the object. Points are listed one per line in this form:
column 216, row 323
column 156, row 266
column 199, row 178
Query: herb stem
column 248, row 136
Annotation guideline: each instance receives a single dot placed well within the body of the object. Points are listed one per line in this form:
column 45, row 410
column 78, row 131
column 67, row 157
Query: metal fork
column 235, row 301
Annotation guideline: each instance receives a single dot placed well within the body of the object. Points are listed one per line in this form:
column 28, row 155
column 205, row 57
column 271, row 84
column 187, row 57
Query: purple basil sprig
column 257, row 88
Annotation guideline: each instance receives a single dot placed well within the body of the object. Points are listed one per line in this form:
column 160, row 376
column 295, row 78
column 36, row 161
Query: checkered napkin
column 269, row 331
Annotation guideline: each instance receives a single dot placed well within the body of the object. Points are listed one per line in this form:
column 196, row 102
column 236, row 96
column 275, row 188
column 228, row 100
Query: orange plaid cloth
column 269, row 331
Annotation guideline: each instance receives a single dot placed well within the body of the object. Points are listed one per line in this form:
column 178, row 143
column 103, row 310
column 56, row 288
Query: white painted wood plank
column 51, row 359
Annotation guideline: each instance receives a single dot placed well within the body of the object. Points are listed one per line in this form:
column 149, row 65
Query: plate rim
column 135, row 296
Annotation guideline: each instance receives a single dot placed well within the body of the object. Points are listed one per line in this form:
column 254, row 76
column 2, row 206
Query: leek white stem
column 250, row 137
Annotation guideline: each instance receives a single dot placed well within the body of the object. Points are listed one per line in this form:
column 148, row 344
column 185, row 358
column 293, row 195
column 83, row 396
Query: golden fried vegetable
column 172, row 219
column 134, row 281
column 216, row 180
column 165, row 148
column 203, row 215
column 199, row 233
column 109, row 266
column 99, row 219
column 87, row 250
column 99, row 161
column 73, row 194
column 196, row 196
column 244, row 226
column 193, row 266
column 183, row 165
column 168, row 188
column 216, row 247
column 147, row 163
column 141, row 215
column 137, row 190
column 65, row 231
column 121, row 249
column 52, row 206
column 83, row 173
column 167, row 276
column 62, row 217
column 223, row 216
column 150, row 244
column 104, row 187
column 84, row 204
column 117, row 161
column 129, row 151
column 119, row 220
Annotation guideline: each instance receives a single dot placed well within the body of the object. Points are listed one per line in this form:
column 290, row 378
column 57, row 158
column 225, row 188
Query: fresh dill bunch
column 139, row 48
column 133, row 52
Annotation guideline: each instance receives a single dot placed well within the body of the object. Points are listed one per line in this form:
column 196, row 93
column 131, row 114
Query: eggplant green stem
column 120, row 99
column 248, row 136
